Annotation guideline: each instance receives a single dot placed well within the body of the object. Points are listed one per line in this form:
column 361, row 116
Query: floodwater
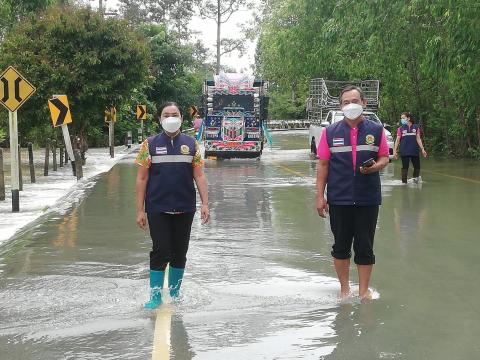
column 259, row 282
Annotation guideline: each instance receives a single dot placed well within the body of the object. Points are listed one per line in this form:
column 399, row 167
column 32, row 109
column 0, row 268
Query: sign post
column 61, row 116
column 111, row 130
column 14, row 174
column 141, row 115
column 14, row 91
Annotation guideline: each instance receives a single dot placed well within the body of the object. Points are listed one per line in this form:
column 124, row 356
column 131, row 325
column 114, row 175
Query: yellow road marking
column 287, row 169
column 452, row 176
column 161, row 338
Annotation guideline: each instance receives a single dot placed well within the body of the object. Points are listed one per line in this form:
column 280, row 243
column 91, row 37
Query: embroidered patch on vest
column 370, row 139
column 184, row 149
column 338, row 142
column 161, row 150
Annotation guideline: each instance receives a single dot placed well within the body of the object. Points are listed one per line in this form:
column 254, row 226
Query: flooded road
column 259, row 282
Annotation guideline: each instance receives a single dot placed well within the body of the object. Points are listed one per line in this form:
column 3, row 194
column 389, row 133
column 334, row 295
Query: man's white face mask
column 171, row 124
column 352, row 111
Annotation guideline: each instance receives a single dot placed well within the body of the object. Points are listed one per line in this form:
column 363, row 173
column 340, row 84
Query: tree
column 173, row 14
column 177, row 68
column 424, row 53
column 97, row 62
column 12, row 11
column 221, row 12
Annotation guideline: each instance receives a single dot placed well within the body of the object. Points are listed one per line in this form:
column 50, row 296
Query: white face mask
column 352, row 111
column 171, row 124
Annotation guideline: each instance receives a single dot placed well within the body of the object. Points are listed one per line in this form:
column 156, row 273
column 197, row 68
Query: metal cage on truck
column 323, row 96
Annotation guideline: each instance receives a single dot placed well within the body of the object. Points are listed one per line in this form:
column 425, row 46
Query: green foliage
column 97, row 62
column 424, row 53
column 176, row 69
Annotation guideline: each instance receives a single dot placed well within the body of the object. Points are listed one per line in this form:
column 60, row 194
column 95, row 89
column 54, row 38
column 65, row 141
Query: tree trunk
column 219, row 19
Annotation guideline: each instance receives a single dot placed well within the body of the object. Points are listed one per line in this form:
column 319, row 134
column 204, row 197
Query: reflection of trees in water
column 67, row 231
column 410, row 217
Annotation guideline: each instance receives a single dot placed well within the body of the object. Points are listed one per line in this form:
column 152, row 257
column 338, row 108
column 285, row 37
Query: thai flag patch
column 161, row 150
column 338, row 142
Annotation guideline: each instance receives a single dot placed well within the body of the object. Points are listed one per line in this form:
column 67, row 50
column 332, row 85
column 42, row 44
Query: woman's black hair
column 409, row 117
column 168, row 103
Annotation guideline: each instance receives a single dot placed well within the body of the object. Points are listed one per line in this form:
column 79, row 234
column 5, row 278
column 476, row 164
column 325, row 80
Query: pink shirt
column 399, row 131
column 323, row 151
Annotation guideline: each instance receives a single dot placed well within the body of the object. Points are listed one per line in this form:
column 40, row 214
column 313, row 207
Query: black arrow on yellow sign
column 141, row 112
column 60, row 110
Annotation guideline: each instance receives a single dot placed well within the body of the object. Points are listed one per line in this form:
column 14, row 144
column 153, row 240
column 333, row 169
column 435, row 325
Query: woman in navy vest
column 408, row 136
column 170, row 163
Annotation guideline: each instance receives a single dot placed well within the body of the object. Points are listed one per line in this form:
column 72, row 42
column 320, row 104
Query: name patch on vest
column 184, row 149
column 338, row 141
column 370, row 139
column 161, row 150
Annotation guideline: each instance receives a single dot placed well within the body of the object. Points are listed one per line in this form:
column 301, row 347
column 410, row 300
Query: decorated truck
column 235, row 111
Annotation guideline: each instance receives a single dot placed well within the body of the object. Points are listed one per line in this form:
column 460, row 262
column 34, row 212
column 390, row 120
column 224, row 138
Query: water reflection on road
column 259, row 282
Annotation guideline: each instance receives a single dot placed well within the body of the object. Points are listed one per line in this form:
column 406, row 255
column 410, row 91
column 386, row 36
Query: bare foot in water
column 345, row 293
column 367, row 296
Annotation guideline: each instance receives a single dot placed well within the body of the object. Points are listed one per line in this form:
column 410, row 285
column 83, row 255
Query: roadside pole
column 2, row 177
column 30, row 162
column 110, row 138
column 12, row 120
column 68, row 147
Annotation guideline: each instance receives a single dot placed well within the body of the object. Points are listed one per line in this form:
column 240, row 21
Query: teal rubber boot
column 175, row 277
column 156, row 285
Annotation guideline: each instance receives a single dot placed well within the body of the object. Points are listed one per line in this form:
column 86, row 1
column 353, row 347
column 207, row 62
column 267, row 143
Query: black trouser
column 415, row 162
column 170, row 235
column 351, row 223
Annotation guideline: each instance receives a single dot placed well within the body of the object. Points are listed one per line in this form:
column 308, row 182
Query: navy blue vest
column 170, row 178
column 408, row 141
column 344, row 185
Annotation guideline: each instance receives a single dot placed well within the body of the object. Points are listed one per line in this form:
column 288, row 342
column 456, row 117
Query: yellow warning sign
column 141, row 112
column 59, row 110
column 14, row 89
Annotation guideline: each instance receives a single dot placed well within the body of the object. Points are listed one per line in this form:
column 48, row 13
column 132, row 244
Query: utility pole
column 100, row 6
column 219, row 23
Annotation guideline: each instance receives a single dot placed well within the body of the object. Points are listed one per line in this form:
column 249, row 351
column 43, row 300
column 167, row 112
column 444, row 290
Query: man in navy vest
column 351, row 153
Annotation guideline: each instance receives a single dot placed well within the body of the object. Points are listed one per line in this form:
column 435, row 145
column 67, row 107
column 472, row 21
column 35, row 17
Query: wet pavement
column 259, row 282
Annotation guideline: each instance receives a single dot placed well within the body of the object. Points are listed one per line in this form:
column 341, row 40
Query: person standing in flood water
column 169, row 164
column 409, row 138
column 351, row 153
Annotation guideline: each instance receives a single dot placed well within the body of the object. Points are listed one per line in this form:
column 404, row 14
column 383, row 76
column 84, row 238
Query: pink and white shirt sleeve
column 383, row 150
column 323, row 151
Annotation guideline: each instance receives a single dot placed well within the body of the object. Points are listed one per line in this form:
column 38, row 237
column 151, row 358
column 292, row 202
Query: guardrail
column 294, row 124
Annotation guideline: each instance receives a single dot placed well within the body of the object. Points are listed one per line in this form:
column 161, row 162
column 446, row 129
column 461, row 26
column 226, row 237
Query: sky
column 208, row 35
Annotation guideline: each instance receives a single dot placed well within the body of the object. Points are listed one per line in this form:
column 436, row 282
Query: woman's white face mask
column 352, row 111
column 171, row 124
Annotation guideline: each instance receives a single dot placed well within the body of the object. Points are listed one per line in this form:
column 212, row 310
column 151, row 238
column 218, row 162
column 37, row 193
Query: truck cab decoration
column 235, row 107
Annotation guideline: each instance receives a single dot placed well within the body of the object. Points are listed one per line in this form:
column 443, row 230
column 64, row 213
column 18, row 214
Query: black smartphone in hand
column 368, row 163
